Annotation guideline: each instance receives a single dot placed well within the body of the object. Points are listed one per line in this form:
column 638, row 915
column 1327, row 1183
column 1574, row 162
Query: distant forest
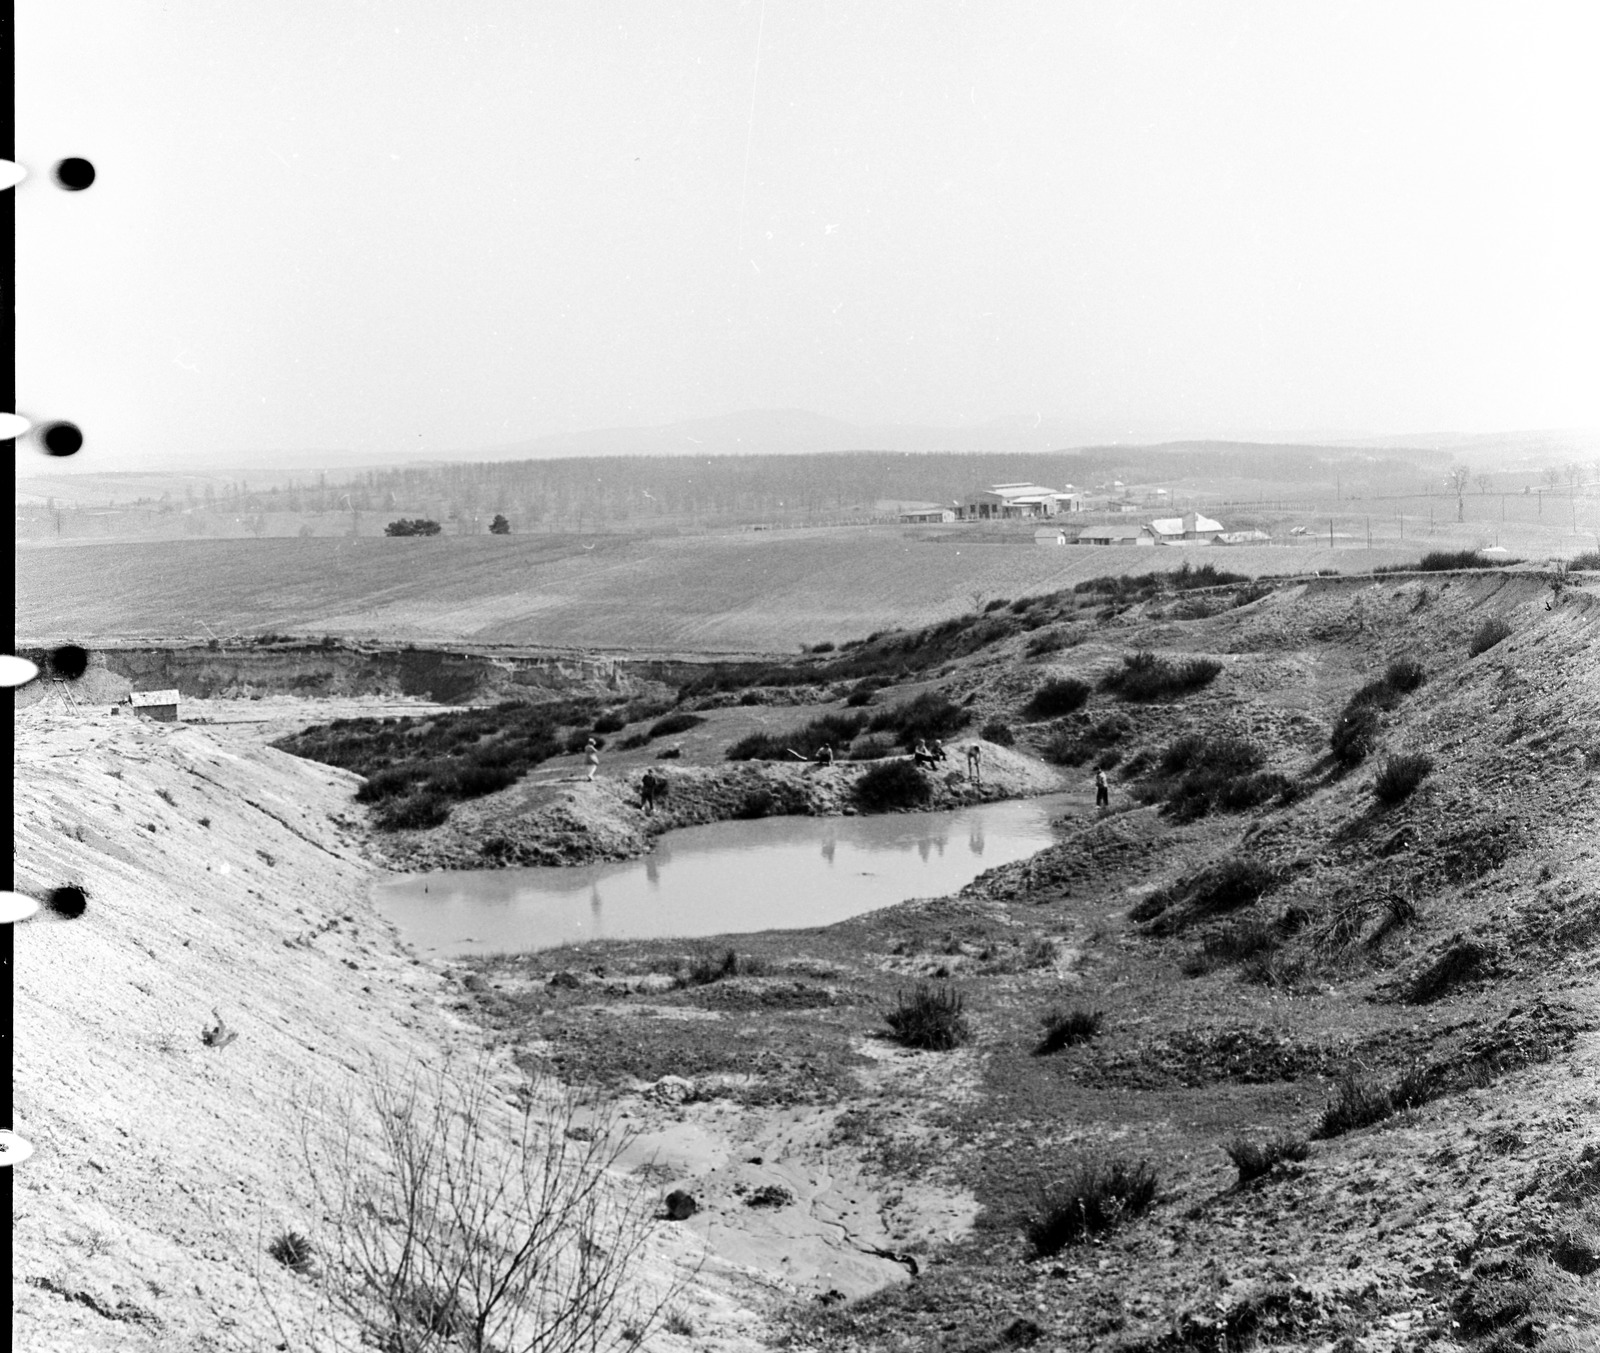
column 641, row 491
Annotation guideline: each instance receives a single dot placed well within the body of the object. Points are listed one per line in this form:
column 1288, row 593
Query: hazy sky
column 404, row 228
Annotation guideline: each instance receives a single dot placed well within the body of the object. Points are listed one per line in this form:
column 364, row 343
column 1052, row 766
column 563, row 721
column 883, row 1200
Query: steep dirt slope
column 223, row 879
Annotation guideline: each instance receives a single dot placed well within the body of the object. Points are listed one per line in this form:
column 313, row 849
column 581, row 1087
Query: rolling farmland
column 732, row 592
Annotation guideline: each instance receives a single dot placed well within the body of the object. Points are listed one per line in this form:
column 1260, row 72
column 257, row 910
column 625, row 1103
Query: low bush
column 1088, row 1203
column 998, row 733
column 1362, row 1100
column 1072, row 742
column 714, row 966
column 1232, row 945
column 1231, row 883
column 292, row 1250
column 385, row 784
column 1441, row 561
column 673, row 723
column 1587, row 562
column 891, row 785
column 1354, row 735
column 931, row 1018
column 1144, row 677
column 1461, row 961
column 1404, row 675
column 1065, row 1029
column 1253, row 1159
column 414, row 812
column 471, row 780
column 871, row 749
column 998, row 604
column 837, row 730
column 1051, row 641
column 1487, row 635
column 633, row 742
column 1054, row 698
column 929, row 715
column 1400, row 776
column 613, row 721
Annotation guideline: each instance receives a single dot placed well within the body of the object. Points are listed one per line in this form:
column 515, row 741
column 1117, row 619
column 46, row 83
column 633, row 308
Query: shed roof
column 141, row 698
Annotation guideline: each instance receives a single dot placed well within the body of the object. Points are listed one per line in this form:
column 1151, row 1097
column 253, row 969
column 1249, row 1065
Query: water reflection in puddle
column 780, row 873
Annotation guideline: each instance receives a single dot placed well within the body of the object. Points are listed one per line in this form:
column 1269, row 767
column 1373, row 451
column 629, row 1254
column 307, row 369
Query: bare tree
column 453, row 1221
column 1551, row 475
column 1483, row 481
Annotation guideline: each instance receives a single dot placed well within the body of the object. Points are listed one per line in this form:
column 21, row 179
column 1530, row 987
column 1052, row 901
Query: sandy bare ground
column 225, row 878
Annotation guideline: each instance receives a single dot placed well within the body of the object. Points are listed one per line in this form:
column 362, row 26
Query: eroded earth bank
column 1336, row 1009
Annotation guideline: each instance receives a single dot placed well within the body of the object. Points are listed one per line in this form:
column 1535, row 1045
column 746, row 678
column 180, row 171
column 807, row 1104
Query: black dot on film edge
column 62, row 439
column 69, row 662
column 69, row 901
column 74, row 174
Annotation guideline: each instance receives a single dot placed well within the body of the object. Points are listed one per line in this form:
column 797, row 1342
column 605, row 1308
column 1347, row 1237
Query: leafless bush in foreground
column 453, row 1220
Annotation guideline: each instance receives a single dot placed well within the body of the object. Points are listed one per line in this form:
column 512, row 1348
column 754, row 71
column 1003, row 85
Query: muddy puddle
column 782, row 873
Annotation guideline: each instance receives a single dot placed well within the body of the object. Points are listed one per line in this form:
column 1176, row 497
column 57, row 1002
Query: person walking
column 1102, row 790
column 591, row 757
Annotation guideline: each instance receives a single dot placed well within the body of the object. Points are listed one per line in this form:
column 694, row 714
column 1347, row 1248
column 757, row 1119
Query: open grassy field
column 732, row 592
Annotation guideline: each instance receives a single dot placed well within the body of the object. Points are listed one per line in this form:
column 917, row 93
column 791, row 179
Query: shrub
column 826, row 646
column 451, row 1220
column 384, row 785
column 1253, row 1159
column 1462, row 960
column 1231, row 945
column 1487, row 635
column 1359, row 1102
column 1440, row 561
column 998, row 604
column 1093, row 1200
column 861, row 695
column 471, row 781
column 1355, row 734
column 412, row 526
column 891, row 785
column 998, row 733
column 711, row 966
column 871, row 749
column 1065, row 1029
column 1060, row 696
column 633, row 742
column 292, row 1250
column 414, row 812
column 930, row 1018
column 1588, row 561
column 1404, row 675
column 1051, row 641
column 1144, row 676
column 929, row 715
column 758, row 803
column 1231, row 883
column 1400, row 776
column 674, row 723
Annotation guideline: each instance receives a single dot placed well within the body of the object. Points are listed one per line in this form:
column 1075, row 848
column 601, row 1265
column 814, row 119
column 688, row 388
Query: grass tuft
column 292, row 1250
column 1400, row 776
column 931, row 1018
column 1253, row 1159
column 1066, row 1029
column 1088, row 1203
column 1061, row 695
column 893, row 784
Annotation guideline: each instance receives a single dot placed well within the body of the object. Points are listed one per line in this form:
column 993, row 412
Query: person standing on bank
column 1102, row 790
column 591, row 757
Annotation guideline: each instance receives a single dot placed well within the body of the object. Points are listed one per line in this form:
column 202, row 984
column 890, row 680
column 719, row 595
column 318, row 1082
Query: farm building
column 926, row 512
column 1116, row 535
column 1010, row 502
column 1189, row 529
column 1049, row 535
column 162, row 705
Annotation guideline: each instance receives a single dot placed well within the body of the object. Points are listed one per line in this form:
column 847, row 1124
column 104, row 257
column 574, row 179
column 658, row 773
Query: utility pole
column 1369, row 533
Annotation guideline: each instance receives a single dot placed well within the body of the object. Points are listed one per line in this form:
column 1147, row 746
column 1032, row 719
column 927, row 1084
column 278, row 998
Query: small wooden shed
column 162, row 705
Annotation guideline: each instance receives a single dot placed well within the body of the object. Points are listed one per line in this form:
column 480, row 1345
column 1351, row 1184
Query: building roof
column 141, row 698
column 1112, row 532
column 1177, row 526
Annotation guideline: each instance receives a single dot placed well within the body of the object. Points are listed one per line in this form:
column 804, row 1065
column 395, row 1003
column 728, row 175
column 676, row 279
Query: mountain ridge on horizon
column 804, row 432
